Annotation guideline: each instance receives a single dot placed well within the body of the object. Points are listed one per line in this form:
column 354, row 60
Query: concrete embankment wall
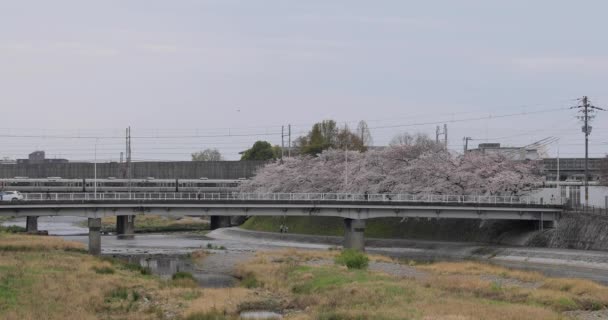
column 576, row 231
column 158, row 170
column 488, row 231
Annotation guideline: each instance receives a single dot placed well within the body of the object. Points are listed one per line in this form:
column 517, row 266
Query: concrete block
column 31, row 224
column 354, row 234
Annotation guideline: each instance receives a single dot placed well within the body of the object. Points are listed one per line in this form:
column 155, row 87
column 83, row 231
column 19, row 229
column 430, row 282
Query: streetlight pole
column 559, row 190
column 95, row 170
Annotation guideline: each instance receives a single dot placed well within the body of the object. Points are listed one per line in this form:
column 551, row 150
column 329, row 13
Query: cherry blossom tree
column 401, row 168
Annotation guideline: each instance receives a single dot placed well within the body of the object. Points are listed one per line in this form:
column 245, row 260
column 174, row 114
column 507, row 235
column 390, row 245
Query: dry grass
column 462, row 290
column 222, row 300
column 49, row 278
column 13, row 242
column 199, row 256
column 43, row 281
column 40, row 280
column 475, row 268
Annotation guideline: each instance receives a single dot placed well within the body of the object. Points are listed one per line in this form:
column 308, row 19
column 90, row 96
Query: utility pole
column 466, row 143
column 282, row 142
column 586, row 108
column 437, row 133
column 443, row 133
column 289, row 150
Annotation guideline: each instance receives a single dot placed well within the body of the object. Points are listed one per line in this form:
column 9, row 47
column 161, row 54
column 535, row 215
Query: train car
column 57, row 184
column 133, row 185
column 51, row 184
column 207, row 185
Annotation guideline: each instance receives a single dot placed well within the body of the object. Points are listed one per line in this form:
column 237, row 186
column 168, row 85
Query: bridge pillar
column 31, row 224
column 354, row 230
column 217, row 222
column 125, row 227
column 95, row 236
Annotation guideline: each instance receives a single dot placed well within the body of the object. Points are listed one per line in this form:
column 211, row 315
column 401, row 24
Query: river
column 166, row 254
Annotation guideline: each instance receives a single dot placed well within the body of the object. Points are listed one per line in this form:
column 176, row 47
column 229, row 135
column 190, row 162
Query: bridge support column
column 125, row 227
column 31, row 224
column 217, row 222
column 95, row 236
column 354, row 230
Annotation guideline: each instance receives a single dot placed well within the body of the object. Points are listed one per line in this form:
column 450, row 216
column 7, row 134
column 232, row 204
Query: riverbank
column 575, row 230
column 460, row 230
column 156, row 224
column 50, row 278
column 592, row 265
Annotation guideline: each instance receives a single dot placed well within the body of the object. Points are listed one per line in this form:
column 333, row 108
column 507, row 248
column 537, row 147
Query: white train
column 57, row 184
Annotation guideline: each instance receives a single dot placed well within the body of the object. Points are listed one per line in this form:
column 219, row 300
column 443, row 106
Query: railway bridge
column 353, row 208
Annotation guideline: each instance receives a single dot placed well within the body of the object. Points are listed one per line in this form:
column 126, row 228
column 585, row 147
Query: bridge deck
column 347, row 206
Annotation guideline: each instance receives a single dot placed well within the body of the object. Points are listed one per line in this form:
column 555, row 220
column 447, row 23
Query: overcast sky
column 225, row 73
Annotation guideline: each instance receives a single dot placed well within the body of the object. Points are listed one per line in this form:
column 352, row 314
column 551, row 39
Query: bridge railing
column 338, row 197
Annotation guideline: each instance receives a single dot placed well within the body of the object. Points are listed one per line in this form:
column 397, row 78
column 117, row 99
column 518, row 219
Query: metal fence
column 338, row 197
column 587, row 209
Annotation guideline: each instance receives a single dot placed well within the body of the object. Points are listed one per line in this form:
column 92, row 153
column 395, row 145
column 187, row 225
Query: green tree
column 325, row 135
column 207, row 155
column 261, row 150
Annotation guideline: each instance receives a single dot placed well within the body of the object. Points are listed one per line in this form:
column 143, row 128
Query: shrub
column 135, row 267
column 184, row 280
column 256, row 305
column 183, row 275
column 250, row 281
column 12, row 229
column 352, row 259
column 119, row 294
column 103, row 270
column 213, row 315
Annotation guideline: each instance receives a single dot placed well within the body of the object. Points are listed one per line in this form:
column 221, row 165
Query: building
column 513, row 153
column 36, row 157
column 571, row 169
column 39, row 157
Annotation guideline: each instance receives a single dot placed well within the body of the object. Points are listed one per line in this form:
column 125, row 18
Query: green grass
column 124, row 265
column 12, row 229
column 250, row 281
column 326, row 226
column 395, row 228
column 119, row 293
column 155, row 224
column 103, row 270
column 9, row 285
column 327, row 278
column 352, row 259
column 5, row 218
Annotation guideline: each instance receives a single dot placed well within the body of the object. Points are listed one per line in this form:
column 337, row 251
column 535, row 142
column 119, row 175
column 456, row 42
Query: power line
column 469, row 119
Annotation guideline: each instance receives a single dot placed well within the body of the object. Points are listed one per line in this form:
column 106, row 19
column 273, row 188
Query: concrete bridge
column 354, row 208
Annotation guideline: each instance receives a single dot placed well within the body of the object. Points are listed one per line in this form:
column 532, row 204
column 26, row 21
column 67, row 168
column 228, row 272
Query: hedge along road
column 242, row 244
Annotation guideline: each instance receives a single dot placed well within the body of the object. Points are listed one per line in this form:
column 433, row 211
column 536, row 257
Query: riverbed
column 166, row 254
